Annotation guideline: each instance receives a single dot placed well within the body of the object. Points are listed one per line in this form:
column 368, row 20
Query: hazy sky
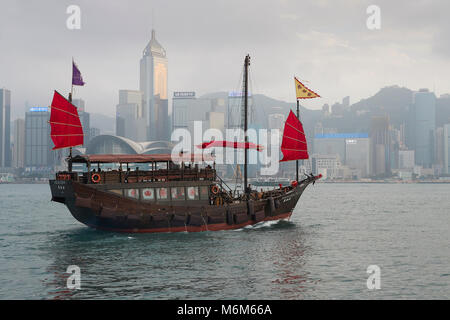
column 325, row 42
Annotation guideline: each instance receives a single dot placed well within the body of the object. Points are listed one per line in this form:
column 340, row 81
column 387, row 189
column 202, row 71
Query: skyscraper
column 424, row 117
column 84, row 119
column 38, row 144
column 130, row 122
column 5, row 128
column 18, row 151
column 181, row 109
column 153, row 84
column 380, row 145
column 447, row 148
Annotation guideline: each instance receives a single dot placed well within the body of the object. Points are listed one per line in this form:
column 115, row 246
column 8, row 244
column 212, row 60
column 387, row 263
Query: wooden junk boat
column 167, row 194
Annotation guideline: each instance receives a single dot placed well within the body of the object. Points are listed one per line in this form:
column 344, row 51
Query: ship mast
column 246, row 65
column 296, row 161
column 69, row 164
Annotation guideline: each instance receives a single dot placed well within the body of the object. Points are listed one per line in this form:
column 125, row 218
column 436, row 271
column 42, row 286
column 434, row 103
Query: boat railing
column 223, row 185
column 119, row 176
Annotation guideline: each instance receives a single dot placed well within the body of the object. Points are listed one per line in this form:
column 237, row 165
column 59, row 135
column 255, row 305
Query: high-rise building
column 439, row 148
column 161, row 118
column 5, row 128
column 424, row 116
column 327, row 165
column 380, row 140
column 80, row 104
column 153, row 84
column 357, row 154
column 181, row 105
column 406, row 159
column 18, row 150
column 93, row 132
column 328, row 144
column 187, row 109
column 130, row 122
column 132, row 97
column 447, row 148
column 216, row 120
column 38, row 144
column 353, row 149
column 85, row 119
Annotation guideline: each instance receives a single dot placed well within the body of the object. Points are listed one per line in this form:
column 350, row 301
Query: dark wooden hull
column 103, row 210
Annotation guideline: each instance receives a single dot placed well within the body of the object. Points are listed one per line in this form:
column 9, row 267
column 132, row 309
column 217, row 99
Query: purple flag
column 77, row 79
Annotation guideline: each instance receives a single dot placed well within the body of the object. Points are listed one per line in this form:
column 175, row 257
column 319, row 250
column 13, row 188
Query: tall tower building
column 130, row 122
column 424, row 116
column 18, row 151
column 38, row 144
column 5, row 128
column 380, row 145
column 153, row 84
column 447, row 148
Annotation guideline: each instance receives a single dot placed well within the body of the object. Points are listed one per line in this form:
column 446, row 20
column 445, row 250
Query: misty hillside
column 263, row 106
column 393, row 101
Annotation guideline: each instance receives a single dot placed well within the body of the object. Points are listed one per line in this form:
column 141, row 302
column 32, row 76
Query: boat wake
column 278, row 224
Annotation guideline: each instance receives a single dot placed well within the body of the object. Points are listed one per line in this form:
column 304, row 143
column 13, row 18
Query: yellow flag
column 303, row 92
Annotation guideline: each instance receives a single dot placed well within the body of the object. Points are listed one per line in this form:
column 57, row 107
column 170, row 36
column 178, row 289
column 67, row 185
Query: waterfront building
column 5, row 128
column 439, row 148
column 38, row 144
column 424, row 116
column 182, row 103
column 380, row 145
column 326, row 164
column 110, row 144
column 130, row 122
column 447, row 148
column 353, row 149
column 405, row 159
column 357, row 154
column 18, row 150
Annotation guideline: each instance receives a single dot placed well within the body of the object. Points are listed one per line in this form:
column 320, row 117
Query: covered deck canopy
column 140, row 158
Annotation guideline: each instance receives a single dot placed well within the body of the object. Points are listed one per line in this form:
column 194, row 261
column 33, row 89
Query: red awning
column 140, row 158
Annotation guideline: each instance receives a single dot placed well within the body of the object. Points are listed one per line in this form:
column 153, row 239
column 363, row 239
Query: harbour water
column 323, row 252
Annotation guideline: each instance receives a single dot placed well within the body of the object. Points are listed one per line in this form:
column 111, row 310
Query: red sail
column 294, row 145
column 230, row 144
column 66, row 130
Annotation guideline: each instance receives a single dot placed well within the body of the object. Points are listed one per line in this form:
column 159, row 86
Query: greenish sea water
column 335, row 233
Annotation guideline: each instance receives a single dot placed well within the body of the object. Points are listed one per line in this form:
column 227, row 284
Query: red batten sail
column 66, row 130
column 294, row 146
column 230, row 144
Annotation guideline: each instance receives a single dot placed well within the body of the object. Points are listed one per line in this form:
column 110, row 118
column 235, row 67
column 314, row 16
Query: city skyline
column 329, row 45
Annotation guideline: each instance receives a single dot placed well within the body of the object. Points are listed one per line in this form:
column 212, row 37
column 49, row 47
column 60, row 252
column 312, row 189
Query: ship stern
column 61, row 190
